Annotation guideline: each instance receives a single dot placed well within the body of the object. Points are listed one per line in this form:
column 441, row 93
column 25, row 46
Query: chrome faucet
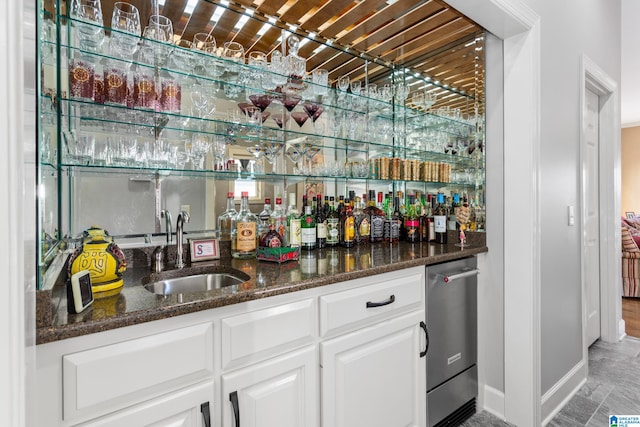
column 164, row 213
column 182, row 218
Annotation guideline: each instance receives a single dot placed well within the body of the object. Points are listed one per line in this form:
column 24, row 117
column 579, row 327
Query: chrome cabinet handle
column 206, row 414
column 462, row 275
column 233, row 397
column 391, row 299
column 426, row 336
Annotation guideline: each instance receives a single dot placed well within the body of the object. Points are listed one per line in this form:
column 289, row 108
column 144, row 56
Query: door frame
column 519, row 27
column 595, row 79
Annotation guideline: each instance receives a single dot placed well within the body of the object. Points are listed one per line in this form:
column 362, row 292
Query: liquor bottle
column 321, row 225
column 348, row 228
column 388, row 220
column 279, row 220
column 424, row 223
column 293, row 223
column 376, row 218
column 245, row 231
column 440, row 220
column 271, row 239
column 396, row 220
column 430, row 219
column 263, row 217
column 402, row 210
column 333, row 225
column 412, row 222
column 451, row 218
column 308, row 230
column 225, row 220
column 362, row 223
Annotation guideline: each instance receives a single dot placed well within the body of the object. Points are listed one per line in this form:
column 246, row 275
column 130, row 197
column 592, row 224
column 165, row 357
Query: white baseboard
column 558, row 395
column 622, row 329
column 494, row 402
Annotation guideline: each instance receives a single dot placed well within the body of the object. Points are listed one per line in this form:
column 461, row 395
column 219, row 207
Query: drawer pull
column 450, row 278
column 426, row 336
column 233, row 397
column 206, row 414
column 391, row 299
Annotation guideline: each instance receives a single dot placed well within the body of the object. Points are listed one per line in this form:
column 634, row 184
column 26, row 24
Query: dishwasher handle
column 451, row 277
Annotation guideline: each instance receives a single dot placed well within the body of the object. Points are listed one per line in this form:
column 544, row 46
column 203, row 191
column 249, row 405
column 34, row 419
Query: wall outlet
column 186, row 208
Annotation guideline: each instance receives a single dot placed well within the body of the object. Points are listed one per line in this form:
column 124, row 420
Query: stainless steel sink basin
column 193, row 283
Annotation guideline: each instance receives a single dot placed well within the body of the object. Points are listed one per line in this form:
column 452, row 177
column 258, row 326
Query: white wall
column 630, row 89
column 568, row 30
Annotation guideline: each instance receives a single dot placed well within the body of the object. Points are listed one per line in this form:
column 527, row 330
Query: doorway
column 600, row 189
column 591, row 250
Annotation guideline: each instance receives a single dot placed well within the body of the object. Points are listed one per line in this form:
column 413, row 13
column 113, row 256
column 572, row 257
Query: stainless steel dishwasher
column 452, row 376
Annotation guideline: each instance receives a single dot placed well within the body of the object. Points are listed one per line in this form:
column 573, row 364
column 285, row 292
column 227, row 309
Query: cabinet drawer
column 253, row 336
column 389, row 295
column 106, row 379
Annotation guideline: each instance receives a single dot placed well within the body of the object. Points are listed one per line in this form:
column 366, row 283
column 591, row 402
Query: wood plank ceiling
column 348, row 37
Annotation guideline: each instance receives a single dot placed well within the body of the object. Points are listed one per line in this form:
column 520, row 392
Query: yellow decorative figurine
column 104, row 260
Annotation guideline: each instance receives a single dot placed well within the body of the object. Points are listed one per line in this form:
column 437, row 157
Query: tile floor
column 612, row 388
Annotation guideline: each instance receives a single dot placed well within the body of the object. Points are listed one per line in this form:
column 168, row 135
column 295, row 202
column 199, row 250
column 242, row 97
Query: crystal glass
column 158, row 42
column 234, row 53
column 343, row 83
column 278, row 69
column 91, row 34
column 320, row 79
column 126, row 21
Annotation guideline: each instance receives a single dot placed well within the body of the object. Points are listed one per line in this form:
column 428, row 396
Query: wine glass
column 257, row 152
column 233, row 53
column 126, row 21
column 90, row 31
column 205, row 45
column 158, row 39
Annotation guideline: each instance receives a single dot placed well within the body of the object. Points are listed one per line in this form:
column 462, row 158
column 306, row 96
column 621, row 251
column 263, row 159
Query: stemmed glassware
column 272, row 150
column 233, row 53
column 257, row 152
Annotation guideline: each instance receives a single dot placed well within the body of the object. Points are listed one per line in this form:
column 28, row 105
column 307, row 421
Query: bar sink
column 188, row 284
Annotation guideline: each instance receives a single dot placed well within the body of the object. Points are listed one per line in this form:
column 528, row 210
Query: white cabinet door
column 190, row 407
column 375, row 376
column 280, row 392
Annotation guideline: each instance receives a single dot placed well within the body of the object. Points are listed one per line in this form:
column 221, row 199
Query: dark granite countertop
column 134, row 304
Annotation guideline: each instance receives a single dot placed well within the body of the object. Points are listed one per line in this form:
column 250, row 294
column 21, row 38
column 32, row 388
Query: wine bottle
column 440, row 220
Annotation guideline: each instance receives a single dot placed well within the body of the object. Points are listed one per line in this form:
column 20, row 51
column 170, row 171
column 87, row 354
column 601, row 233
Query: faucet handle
column 158, row 259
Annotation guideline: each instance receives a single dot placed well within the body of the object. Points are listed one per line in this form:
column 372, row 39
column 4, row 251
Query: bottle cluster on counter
column 348, row 222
